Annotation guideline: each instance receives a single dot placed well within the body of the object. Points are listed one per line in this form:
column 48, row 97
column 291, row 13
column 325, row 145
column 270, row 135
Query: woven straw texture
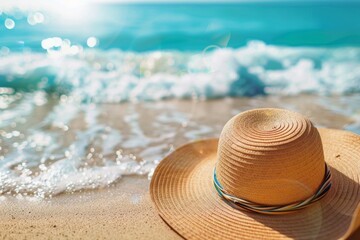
column 277, row 153
column 268, row 156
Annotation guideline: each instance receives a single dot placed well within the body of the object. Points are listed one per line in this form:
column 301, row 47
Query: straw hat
column 271, row 175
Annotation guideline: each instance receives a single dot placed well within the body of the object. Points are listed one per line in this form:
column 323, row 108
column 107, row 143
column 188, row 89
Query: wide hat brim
column 184, row 195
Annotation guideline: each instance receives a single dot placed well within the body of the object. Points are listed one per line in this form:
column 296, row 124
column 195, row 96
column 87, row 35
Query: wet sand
column 124, row 210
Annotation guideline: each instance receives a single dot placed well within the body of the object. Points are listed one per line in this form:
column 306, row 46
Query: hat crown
column 270, row 156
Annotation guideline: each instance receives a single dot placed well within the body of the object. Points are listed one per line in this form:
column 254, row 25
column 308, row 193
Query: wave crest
column 117, row 76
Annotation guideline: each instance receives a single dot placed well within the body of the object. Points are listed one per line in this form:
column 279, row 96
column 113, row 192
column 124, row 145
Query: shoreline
column 124, row 210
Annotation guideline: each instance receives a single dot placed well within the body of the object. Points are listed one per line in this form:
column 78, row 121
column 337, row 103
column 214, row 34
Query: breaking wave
column 117, row 76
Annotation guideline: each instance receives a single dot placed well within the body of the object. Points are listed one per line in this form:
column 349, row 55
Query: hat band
column 239, row 203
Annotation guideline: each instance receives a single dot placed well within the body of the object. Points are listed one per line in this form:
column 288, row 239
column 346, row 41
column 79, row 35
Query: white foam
column 50, row 157
column 115, row 76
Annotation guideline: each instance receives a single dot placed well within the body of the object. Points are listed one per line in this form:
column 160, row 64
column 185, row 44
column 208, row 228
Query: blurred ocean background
column 65, row 60
column 157, row 51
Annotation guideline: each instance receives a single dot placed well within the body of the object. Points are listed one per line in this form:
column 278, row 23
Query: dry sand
column 121, row 212
column 125, row 211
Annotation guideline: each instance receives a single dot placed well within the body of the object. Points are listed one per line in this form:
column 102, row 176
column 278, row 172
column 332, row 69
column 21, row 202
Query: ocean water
column 85, row 87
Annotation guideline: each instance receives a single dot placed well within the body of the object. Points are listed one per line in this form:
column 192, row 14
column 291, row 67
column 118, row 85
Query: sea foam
column 117, row 76
column 57, row 135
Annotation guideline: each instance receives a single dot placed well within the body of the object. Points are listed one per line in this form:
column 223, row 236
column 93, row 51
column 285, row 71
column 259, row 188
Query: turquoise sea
column 153, row 51
column 64, row 64
column 190, row 27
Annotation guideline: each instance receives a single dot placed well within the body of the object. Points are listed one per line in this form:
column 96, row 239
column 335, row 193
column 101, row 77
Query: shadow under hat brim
column 183, row 192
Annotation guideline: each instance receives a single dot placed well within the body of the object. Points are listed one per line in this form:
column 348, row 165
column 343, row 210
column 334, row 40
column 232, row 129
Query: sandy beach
column 124, row 209
column 94, row 94
column 121, row 212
